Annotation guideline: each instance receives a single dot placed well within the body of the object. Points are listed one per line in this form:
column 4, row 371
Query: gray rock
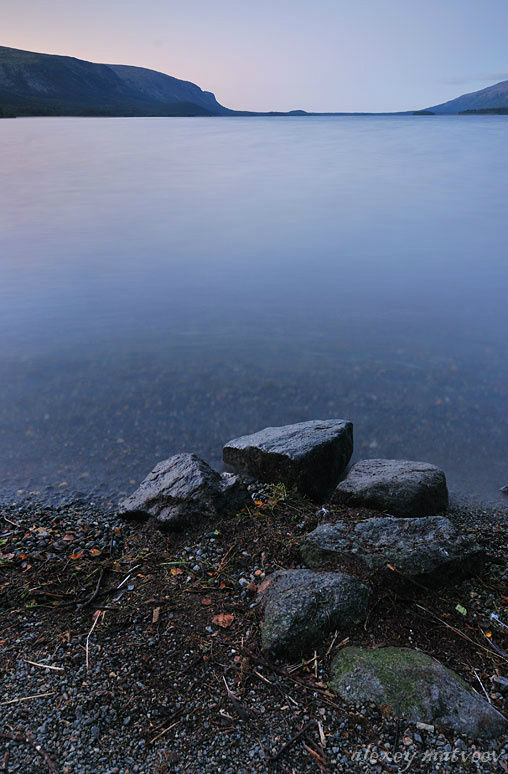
column 302, row 606
column 399, row 487
column 429, row 550
column 414, row 686
column 184, row 489
column 500, row 683
column 311, row 455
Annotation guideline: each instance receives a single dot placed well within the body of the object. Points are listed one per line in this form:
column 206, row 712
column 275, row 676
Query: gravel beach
column 125, row 649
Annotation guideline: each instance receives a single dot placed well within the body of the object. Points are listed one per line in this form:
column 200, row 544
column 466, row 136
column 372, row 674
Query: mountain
column 33, row 84
column 486, row 99
column 46, row 84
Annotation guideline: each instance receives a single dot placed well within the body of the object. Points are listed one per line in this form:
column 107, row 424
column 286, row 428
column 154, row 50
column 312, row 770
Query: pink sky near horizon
column 334, row 55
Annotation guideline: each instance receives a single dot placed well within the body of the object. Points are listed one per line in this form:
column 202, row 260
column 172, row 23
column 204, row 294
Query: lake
column 169, row 284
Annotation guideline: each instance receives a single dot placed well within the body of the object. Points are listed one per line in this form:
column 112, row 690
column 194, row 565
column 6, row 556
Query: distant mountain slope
column 164, row 88
column 42, row 84
column 492, row 97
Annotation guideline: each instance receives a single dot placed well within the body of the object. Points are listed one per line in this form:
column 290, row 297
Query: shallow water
column 167, row 284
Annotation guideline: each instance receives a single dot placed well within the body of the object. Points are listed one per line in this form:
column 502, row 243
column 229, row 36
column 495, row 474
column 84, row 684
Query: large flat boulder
column 309, row 455
column 184, row 489
column 412, row 685
column 429, row 550
column 301, row 607
column 399, row 487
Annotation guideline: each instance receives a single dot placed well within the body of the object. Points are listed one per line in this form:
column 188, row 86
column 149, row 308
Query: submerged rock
column 428, row 549
column 412, row 685
column 400, row 487
column 308, row 455
column 184, row 489
column 302, row 607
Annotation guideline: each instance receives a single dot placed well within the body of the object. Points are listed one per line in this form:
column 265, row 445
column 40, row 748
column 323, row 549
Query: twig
column 276, row 685
column 26, row 698
column 222, row 564
column 9, row 521
column 95, row 592
column 298, row 666
column 495, row 647
column 262, row 677
column 27, row 737
column 165, row 731
column 340, row 645
column 241, row 710
column 292, row 741
column 321, row 762
column 128, row 576
column 95, row 619
column 461, row 634
column 329, row 650
column 482, row 685
column 5, row 760
column 46, row 666
column 279, row 671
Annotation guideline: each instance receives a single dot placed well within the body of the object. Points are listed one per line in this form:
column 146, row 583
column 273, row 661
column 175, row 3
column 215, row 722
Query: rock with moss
column 184, row 489
column 398, row 487
column 301, row 607
column 410, row 684
column 429, row 550
column 309, row 455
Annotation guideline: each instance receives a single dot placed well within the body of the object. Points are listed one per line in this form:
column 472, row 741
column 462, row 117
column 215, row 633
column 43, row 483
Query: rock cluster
column 301, row 606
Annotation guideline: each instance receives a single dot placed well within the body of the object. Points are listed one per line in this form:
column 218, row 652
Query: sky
column 316, row 55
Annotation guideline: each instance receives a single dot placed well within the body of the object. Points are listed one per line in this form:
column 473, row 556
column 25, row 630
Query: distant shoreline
column 239, row 114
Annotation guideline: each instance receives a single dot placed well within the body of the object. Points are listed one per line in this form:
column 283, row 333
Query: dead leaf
column 78, row 555
column 176, row 571
column 264, row 586
column 155, row 615
column 223, row 619
column 95, row 552
column 206, row 601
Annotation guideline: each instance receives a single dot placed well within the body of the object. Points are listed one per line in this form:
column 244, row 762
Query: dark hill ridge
column 46, row 84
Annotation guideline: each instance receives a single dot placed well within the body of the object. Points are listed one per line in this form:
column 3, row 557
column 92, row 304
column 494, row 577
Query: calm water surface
column 167, row 284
